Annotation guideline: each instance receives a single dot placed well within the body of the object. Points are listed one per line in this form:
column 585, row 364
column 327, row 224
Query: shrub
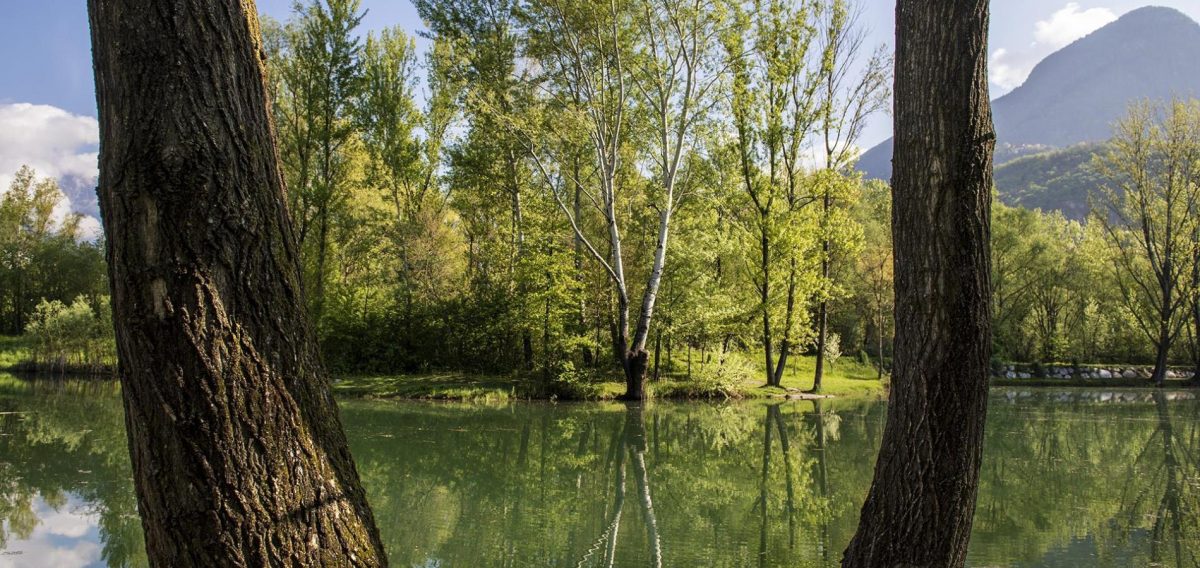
column 723, row 380
column 569, row 383
column 833, row 349
column 72, row 337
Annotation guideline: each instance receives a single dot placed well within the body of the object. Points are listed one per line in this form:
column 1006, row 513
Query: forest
column 567, row 191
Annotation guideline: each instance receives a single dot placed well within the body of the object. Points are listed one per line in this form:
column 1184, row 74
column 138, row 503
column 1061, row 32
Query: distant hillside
column 1075, row 94
column 1057, row 180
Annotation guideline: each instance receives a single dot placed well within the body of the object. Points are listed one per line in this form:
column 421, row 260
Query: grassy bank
column 16, row 356
column 848, row 379
column 743, row 378
column 14, row 351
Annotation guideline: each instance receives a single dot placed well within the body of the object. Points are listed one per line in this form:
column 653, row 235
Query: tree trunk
column 764, row 291
column 636, row 363
column 823, row 309
column 785, row 345
column 318, row 289
column 822, row 328
column 670, row 356
column 237, row 449
column 1162, row 354
column 657, row 352
column 636, row 356
column 689, row 360
column 922, row 500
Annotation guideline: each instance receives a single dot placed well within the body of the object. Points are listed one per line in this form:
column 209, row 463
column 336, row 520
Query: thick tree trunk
column 1162, row 343
column 238, row 453
column 922, row 500
column 636, row 363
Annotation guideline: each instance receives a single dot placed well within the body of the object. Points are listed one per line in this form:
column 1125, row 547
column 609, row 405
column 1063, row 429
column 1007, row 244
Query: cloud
column 66, row 536
column 56, row 144
column 1008, row 68
column 1069, row 24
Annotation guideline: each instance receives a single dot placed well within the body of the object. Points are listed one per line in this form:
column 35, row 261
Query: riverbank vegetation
column 538, row 201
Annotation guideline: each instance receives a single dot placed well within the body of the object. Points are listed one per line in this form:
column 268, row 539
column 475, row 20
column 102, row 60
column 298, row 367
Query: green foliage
column 1149, row 214
column 41, row 254
column 14, row 350
column 1056, row 180
column 75, row 336
column 723, row 379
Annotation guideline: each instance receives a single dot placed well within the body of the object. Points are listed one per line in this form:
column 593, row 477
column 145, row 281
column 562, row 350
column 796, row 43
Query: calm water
column 1070, row 478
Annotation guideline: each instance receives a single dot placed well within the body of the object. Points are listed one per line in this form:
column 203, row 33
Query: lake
column 1070, row 478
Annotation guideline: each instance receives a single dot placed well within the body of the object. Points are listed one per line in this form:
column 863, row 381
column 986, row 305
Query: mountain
column 1075, row 94
column 1058, row 180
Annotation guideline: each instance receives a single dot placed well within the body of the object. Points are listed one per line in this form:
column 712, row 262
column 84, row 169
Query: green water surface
column 1070, row 478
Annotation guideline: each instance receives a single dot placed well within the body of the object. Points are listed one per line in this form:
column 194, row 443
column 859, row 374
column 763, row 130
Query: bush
column 569, row 383
column 723, row 380
column 72, row 337
column 833, row 349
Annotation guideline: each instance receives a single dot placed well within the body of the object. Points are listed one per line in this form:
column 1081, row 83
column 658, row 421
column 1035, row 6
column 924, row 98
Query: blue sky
column 47, row 100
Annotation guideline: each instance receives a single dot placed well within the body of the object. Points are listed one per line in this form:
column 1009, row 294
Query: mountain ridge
column 1074, row 95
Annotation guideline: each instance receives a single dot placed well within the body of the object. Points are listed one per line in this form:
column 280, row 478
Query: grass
column 434, row 386
column 13, row 350
column 846, row 379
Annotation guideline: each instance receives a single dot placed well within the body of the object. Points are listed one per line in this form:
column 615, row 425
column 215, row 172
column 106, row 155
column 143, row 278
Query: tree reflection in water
column 1069, row 479
column 63, row 443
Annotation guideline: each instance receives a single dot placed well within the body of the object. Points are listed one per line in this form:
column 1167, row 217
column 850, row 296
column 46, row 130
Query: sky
column 48, row 105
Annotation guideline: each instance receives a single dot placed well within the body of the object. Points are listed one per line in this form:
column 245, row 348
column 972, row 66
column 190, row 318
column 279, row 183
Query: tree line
column 570, row 186
column 580, row 184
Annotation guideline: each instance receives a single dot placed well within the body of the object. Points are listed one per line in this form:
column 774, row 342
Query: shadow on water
column 1070, row 478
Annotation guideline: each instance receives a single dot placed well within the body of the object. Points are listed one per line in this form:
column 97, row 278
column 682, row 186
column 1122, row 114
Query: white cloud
column 56, row 144
column 66, row 537
column 1008, row 68
column 1069, row 24
column 48, row 139
column 1006, row 71
column 90, row 228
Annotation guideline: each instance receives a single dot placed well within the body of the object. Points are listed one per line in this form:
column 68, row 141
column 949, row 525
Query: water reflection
column 66, row 497
column 1069, row 479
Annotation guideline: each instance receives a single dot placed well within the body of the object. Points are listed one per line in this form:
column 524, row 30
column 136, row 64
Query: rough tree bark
column 238, row 452
column 922, row 500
